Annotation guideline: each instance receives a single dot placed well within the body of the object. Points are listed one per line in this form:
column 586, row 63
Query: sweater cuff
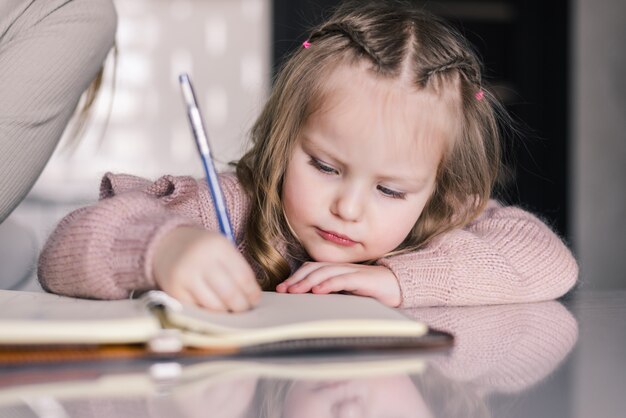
column 424, row 277
column 134, row 250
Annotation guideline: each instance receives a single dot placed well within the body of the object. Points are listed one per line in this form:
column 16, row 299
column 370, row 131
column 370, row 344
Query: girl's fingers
column 205, row 297
column 245, row 279
column 373, row 281
column 317, row 276
column 301, row 273
column 224, row 285
column 376, row 286
column 206, row 270
column 182, row 296
column 202, row 296
column 349, row 282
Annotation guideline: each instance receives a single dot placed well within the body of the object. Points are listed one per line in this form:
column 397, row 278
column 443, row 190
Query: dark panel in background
column 524, row 46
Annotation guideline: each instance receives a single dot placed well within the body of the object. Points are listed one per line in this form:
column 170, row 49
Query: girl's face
column 378, row 397
column 364, row 166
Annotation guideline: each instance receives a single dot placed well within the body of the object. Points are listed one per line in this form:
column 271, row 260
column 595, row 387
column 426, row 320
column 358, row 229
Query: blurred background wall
column 223, row 44
column 559, row 67
column 598, row 184
column 598, row 124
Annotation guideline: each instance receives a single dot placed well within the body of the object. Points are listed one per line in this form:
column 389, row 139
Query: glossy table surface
column 550, row 359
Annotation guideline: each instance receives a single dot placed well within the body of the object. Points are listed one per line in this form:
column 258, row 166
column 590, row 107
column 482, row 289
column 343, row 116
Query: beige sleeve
column 50, row 51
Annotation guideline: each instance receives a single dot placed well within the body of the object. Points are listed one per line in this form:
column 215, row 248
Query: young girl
column 370, row 173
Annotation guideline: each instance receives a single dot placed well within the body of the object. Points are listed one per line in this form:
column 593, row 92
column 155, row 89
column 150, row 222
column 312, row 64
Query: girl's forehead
column 357, row 102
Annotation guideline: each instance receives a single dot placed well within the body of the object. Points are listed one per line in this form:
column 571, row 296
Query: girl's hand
column 374, row 281
column 203, row 268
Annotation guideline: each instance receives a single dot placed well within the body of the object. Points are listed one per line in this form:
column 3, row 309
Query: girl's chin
column 332, row 256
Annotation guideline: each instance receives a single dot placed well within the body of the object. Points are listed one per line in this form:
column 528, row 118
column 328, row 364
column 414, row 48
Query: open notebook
column 281, row 322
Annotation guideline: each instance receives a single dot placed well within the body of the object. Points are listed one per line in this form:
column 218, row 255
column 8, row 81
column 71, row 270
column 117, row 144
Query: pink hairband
column 306, row 44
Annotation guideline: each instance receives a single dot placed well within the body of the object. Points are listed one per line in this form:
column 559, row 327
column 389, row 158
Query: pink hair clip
column 306, row 44
column 479, row 94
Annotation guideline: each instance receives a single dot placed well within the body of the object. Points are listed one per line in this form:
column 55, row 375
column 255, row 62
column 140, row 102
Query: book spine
column 169, row 340
column 158, row 298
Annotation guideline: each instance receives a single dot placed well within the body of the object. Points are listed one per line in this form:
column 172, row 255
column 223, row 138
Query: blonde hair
column 443, row 396
column 391, row 36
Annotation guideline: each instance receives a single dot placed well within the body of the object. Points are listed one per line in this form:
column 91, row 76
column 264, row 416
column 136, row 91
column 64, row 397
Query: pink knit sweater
column 105, row 251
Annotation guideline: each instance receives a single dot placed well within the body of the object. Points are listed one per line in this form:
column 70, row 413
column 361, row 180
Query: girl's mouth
column 336, row 238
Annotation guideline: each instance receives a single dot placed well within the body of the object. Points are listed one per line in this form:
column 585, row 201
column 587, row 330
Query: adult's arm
column 50, row 51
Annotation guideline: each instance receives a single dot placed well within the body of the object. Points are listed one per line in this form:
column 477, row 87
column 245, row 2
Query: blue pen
column 202, row 142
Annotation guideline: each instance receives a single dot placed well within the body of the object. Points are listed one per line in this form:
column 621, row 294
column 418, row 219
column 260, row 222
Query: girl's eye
column 391, row 193
column 320, row 166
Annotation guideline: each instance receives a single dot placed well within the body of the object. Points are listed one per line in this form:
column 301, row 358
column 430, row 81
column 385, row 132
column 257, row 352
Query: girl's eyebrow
column 408, row 183
column 309, row 144
column 409, row 180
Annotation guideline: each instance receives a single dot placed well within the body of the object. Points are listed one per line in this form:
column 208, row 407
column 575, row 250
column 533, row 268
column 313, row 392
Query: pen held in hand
column 202, row 143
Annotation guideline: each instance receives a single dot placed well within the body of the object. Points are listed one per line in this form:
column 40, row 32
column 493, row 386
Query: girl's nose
column 349, row 204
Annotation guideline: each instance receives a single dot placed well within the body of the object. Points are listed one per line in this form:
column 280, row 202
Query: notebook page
column 37, row 318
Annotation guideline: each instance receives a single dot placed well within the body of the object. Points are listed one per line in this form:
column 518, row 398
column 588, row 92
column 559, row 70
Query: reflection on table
column 498, row 349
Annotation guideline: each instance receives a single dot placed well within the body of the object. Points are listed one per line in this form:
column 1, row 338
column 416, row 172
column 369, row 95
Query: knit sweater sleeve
column 502, row 348
column 106, row 250
column 507, row 255
column 50, row 51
